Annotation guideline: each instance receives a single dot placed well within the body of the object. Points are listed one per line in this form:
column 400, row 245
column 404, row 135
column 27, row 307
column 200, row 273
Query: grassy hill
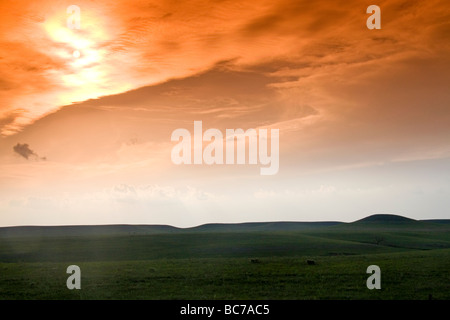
column 76, row 231
column 180, row 246
column 392, row 231
column 214, row 261
column 121, row 230
column 390, row 222
column 378, row 221
column 374, row 234
column 262, row 226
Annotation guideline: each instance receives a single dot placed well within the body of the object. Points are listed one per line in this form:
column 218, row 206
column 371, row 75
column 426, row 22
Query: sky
column 86, row 115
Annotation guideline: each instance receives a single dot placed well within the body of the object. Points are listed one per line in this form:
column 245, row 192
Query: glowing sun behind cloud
column 82, row 49
column 65, row 65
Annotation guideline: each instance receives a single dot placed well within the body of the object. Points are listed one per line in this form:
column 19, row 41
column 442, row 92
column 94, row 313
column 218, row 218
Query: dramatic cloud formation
column 363, row 114
column 128, row 44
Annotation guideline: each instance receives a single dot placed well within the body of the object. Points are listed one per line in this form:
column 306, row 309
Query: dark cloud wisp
column 24, row 150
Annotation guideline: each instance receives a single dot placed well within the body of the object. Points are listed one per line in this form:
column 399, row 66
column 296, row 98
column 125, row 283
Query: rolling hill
column 262, row 226
column 374, row 234
column 88, row 230
column 116, row 230
column 228, row 261
column 376, row 221
column 392, row 221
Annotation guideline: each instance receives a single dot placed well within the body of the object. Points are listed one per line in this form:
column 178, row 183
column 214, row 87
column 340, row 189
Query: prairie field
column 254, row 261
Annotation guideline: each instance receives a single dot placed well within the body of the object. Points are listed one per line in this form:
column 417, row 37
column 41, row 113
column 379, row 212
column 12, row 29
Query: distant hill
column 385, row 218
column 72, row 231
column 262, row 226
column 115, row 230
column 377, row 221
column 374, row 234
column 392, row 221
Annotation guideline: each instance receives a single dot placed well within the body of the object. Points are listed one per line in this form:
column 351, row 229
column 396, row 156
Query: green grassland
column 215, row 261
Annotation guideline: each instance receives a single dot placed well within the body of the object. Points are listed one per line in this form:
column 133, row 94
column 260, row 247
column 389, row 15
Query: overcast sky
column 363, row 115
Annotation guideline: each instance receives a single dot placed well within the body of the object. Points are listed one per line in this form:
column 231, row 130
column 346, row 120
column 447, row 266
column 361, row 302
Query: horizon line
column 214, row 223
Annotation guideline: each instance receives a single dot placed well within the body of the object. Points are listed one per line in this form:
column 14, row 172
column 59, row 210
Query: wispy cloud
column 128, row 44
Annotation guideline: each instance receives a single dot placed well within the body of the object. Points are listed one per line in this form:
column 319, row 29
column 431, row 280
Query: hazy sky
column 363, row 115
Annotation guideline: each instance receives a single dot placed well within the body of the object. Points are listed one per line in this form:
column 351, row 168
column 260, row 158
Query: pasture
column 231, row 263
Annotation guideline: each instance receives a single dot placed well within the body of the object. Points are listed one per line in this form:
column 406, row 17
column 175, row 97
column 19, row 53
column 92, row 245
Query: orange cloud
column 345, row 98
column 128, row 44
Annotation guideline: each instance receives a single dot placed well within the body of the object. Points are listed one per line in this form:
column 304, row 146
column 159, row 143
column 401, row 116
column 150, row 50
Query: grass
column 406, row 275
column 414, row 259
column 193, row 245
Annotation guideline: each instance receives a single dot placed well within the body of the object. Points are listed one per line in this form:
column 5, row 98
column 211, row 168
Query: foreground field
column 408, row 275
